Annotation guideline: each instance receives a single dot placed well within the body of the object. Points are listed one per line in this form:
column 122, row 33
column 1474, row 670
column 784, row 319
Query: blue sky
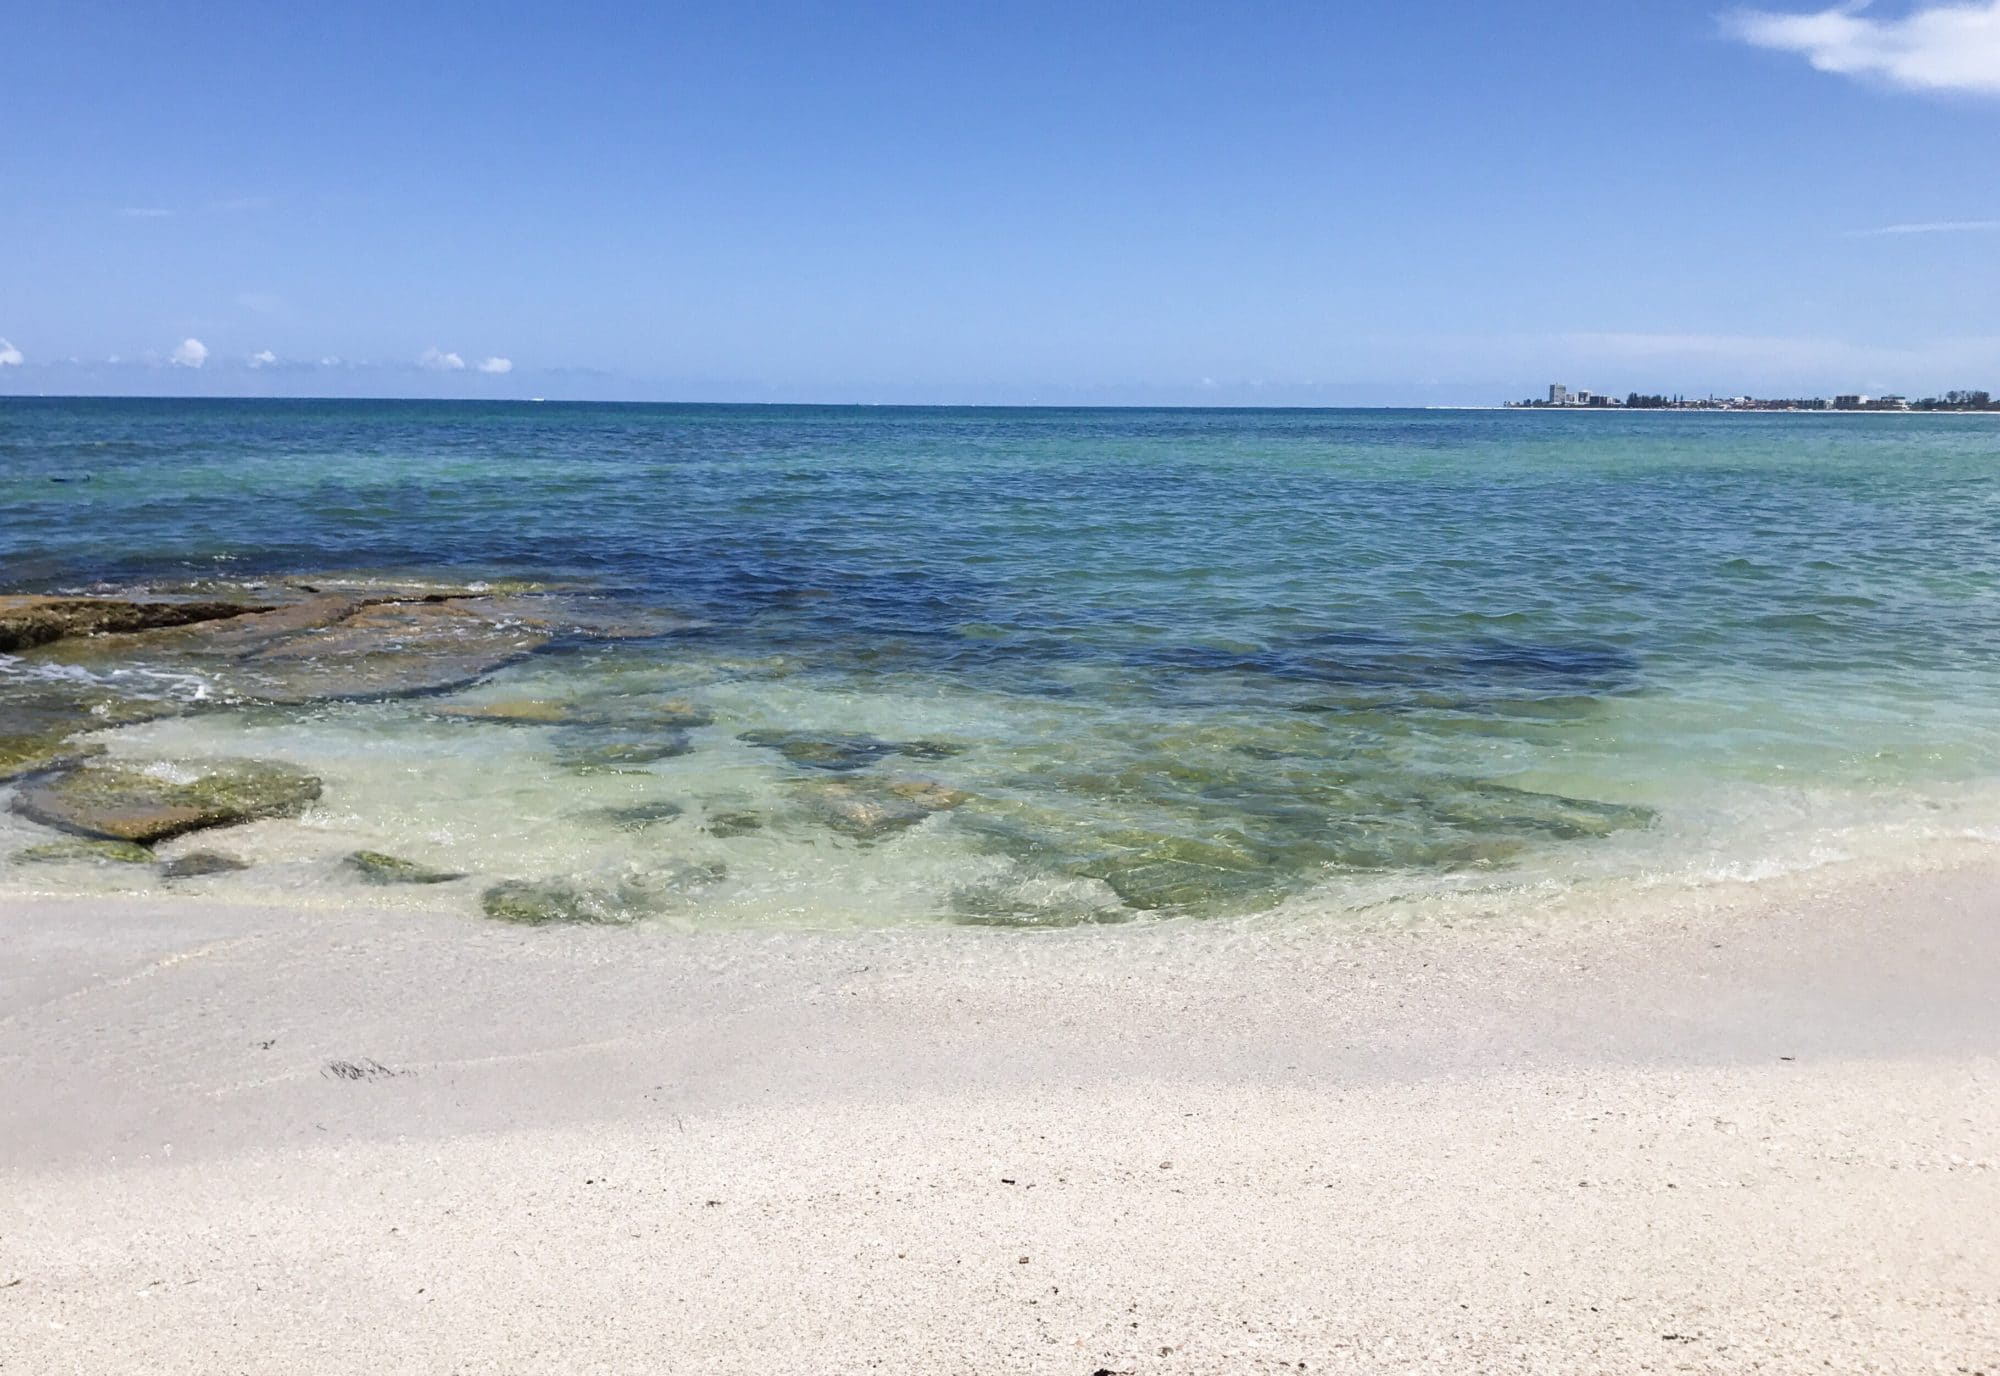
column 1244, row 203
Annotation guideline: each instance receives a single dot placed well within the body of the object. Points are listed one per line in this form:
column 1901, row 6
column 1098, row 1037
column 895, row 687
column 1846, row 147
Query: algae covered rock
column 387, row 650
column 40, row 721
column 374, row 867
column 546, row 902
column 27, row 621
column 128, row 801
column 870, row 809
column 198, row 863
column 510, row 712
column 632, row 714
column 841, row 754
column 76, row 850
column 636, row 816
column 597, row 752
column 736, row 823
column 601, row 902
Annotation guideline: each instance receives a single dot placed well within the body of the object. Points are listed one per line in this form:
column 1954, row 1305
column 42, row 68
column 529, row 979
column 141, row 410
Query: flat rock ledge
column 28, row 621
column 144, row 803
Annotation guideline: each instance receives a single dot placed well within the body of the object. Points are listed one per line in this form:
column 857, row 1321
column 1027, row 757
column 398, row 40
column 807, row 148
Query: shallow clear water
column 1174, row 661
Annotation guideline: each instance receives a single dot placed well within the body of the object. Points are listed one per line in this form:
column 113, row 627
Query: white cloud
column 145, row 212
column 189, row 353
column 496, row 365
column 1929, row 227
column 263, row 358
column 440, row 362
column 1935, row 48
column 10, row 357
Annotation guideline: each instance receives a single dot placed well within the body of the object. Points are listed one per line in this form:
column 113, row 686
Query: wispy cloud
column 440, row 362
column 145, row 212
column 1928, row 227
column 496, row 365
column 1933, row 48
column 10, row 357
column 263, row 358
column 189, row 353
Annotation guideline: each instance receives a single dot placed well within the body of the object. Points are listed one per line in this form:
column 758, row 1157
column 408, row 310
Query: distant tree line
column 1956, row 401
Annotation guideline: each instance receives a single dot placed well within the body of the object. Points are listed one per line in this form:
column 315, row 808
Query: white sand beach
column 1750, row 1128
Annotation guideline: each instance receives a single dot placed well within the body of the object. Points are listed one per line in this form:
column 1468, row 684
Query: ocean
column 1044, row 667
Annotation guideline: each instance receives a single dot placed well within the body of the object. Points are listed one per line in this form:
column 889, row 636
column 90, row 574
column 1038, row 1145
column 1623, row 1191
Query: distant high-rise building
column 1558, row 394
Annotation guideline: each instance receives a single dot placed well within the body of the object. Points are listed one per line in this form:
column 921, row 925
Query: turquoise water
column 1201, row 662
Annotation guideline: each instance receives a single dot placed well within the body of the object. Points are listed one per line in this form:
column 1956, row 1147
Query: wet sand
column 1748, row 1128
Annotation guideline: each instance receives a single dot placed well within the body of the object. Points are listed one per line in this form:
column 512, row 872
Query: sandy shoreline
column 1753, row 1125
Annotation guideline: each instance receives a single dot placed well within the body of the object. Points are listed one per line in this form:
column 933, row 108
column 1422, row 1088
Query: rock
column 325, row 648
column 636, row 816
column 39, row 721
column 671, row 714
column 29, row 621
column 676, row 713
column 635, row 894
column 842, row 753
column 387, row 650
column 734, row 824
column 77, row 850
column 511, row 712
column 591, row 618
column 871, row 809
column 342, row 639
column 200, row 862
column 597, row 753
column 24, row 754
column 126, row 801
column 1501, row 807
column 544, row 902
column 374, row 867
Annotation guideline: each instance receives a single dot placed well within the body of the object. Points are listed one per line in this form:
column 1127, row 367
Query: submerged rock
column 200, row 862
column 636, row 816
column 28, row 621
column 543, row 902
column 670, row 714
column 150, row 802
column 1490, row 806
column 24, row 754
column 374, row 867
column 842, row 753
column 39, row 723
column 511, row 712
column 727, row 824
column 870, row 809
column 76, row 850
column 597, row 753
column 387, row 650
column 598, row 902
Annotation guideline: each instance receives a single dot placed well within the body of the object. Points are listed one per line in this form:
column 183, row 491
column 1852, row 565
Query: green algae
column 375, row 867
column 76, row 850
column 127, row 801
